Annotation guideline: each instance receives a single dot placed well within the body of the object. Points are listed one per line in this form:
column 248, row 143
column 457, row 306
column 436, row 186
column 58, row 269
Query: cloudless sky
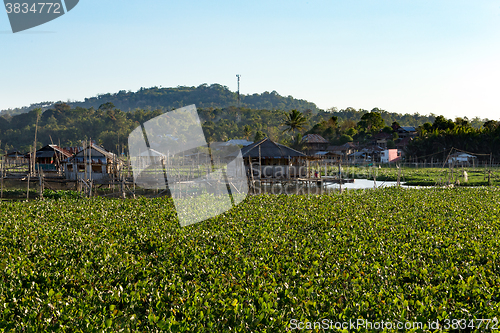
column 405, row 56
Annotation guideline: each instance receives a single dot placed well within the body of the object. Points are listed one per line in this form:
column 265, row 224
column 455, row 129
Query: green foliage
column 445, row 134
column 443, row 124
column 388, row 130
column 371, row 122
column 328, row 129
column 203, row 96
column 50, row 194
column 247, row 131
column 297, row 142
column 344, row 138
column 351, row 131
column 125, row 265
column 259, row 135
column 294, row 121
column 110, row 127
column 388, row 117
column 490, row 125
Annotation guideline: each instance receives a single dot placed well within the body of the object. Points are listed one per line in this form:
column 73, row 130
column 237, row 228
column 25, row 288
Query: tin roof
column 314, row 138
column 50, row 150
column 96, row 148
column 408, row 128
column 239, row 142
column 14, row 153
column 344, row 147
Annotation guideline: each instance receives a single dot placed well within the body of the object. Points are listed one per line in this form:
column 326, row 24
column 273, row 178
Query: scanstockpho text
column 327, row 324
column 447, row 324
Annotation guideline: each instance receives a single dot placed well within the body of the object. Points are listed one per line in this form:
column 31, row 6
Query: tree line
column 110, row 126
column 444, row 134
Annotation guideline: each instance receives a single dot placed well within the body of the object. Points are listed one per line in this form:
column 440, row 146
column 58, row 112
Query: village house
column 343, row 151
column 49, row 158
column 407, row 132
column 15, row 158
column 314, row 143
column 330, row 156
column 92, row 162
column 367, row 154
column 274, row 160
column 359, row 157
column 390, row 155
column 460, row 158
column 381, row 139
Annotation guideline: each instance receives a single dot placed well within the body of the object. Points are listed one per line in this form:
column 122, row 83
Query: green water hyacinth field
column 106, row 265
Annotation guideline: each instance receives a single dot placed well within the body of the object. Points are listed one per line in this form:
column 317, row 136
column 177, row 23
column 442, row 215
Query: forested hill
column 110, row 126
column 203, row 96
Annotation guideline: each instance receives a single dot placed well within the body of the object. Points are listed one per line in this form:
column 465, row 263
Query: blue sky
column 403, row 56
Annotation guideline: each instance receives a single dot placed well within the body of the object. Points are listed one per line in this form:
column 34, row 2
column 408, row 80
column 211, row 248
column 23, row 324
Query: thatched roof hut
column 274, row 160
column 269, row 150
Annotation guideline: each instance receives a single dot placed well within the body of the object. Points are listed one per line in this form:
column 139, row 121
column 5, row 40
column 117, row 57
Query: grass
column 80, row 265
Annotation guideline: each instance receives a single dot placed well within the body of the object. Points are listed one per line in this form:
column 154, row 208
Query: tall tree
column 294, row 121
column 371, row 122
column 443, row 124
column 333, row 121
column 247, row 131
column 259, row 135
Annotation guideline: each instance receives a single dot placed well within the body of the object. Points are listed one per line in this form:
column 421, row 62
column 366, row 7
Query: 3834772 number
column 36, row 8
column 455, row 324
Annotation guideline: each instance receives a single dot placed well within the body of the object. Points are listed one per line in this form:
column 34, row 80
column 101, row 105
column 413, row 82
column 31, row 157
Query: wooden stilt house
column 92, row 162
column 269, row 159
column 49, row 158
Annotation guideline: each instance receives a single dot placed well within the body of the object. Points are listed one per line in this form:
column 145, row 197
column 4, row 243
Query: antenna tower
column 238, row 76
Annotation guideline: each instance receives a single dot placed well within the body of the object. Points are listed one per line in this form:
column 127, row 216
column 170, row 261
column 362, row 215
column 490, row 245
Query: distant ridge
column 204, row 96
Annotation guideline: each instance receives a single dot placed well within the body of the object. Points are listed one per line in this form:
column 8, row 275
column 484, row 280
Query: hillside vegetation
column 110, row 126
column 109, row 119
column 203, row 96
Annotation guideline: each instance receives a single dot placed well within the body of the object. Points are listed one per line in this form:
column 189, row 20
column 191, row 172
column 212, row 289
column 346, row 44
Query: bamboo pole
column 122, row 186
column 399, row 175
column 340, row 176
column 1, row 186
column 40, row 182
column 28, row 190
column 90, row 167
column 251, row 174
column 489, row 171
column 34, row 144
column 85, row 161
column 260, row 165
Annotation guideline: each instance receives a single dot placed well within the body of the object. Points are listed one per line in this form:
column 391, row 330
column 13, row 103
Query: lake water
column 360, row 184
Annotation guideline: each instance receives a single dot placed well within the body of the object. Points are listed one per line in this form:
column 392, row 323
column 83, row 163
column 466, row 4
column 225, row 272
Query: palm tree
column 247, row 131
column 294, row 120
